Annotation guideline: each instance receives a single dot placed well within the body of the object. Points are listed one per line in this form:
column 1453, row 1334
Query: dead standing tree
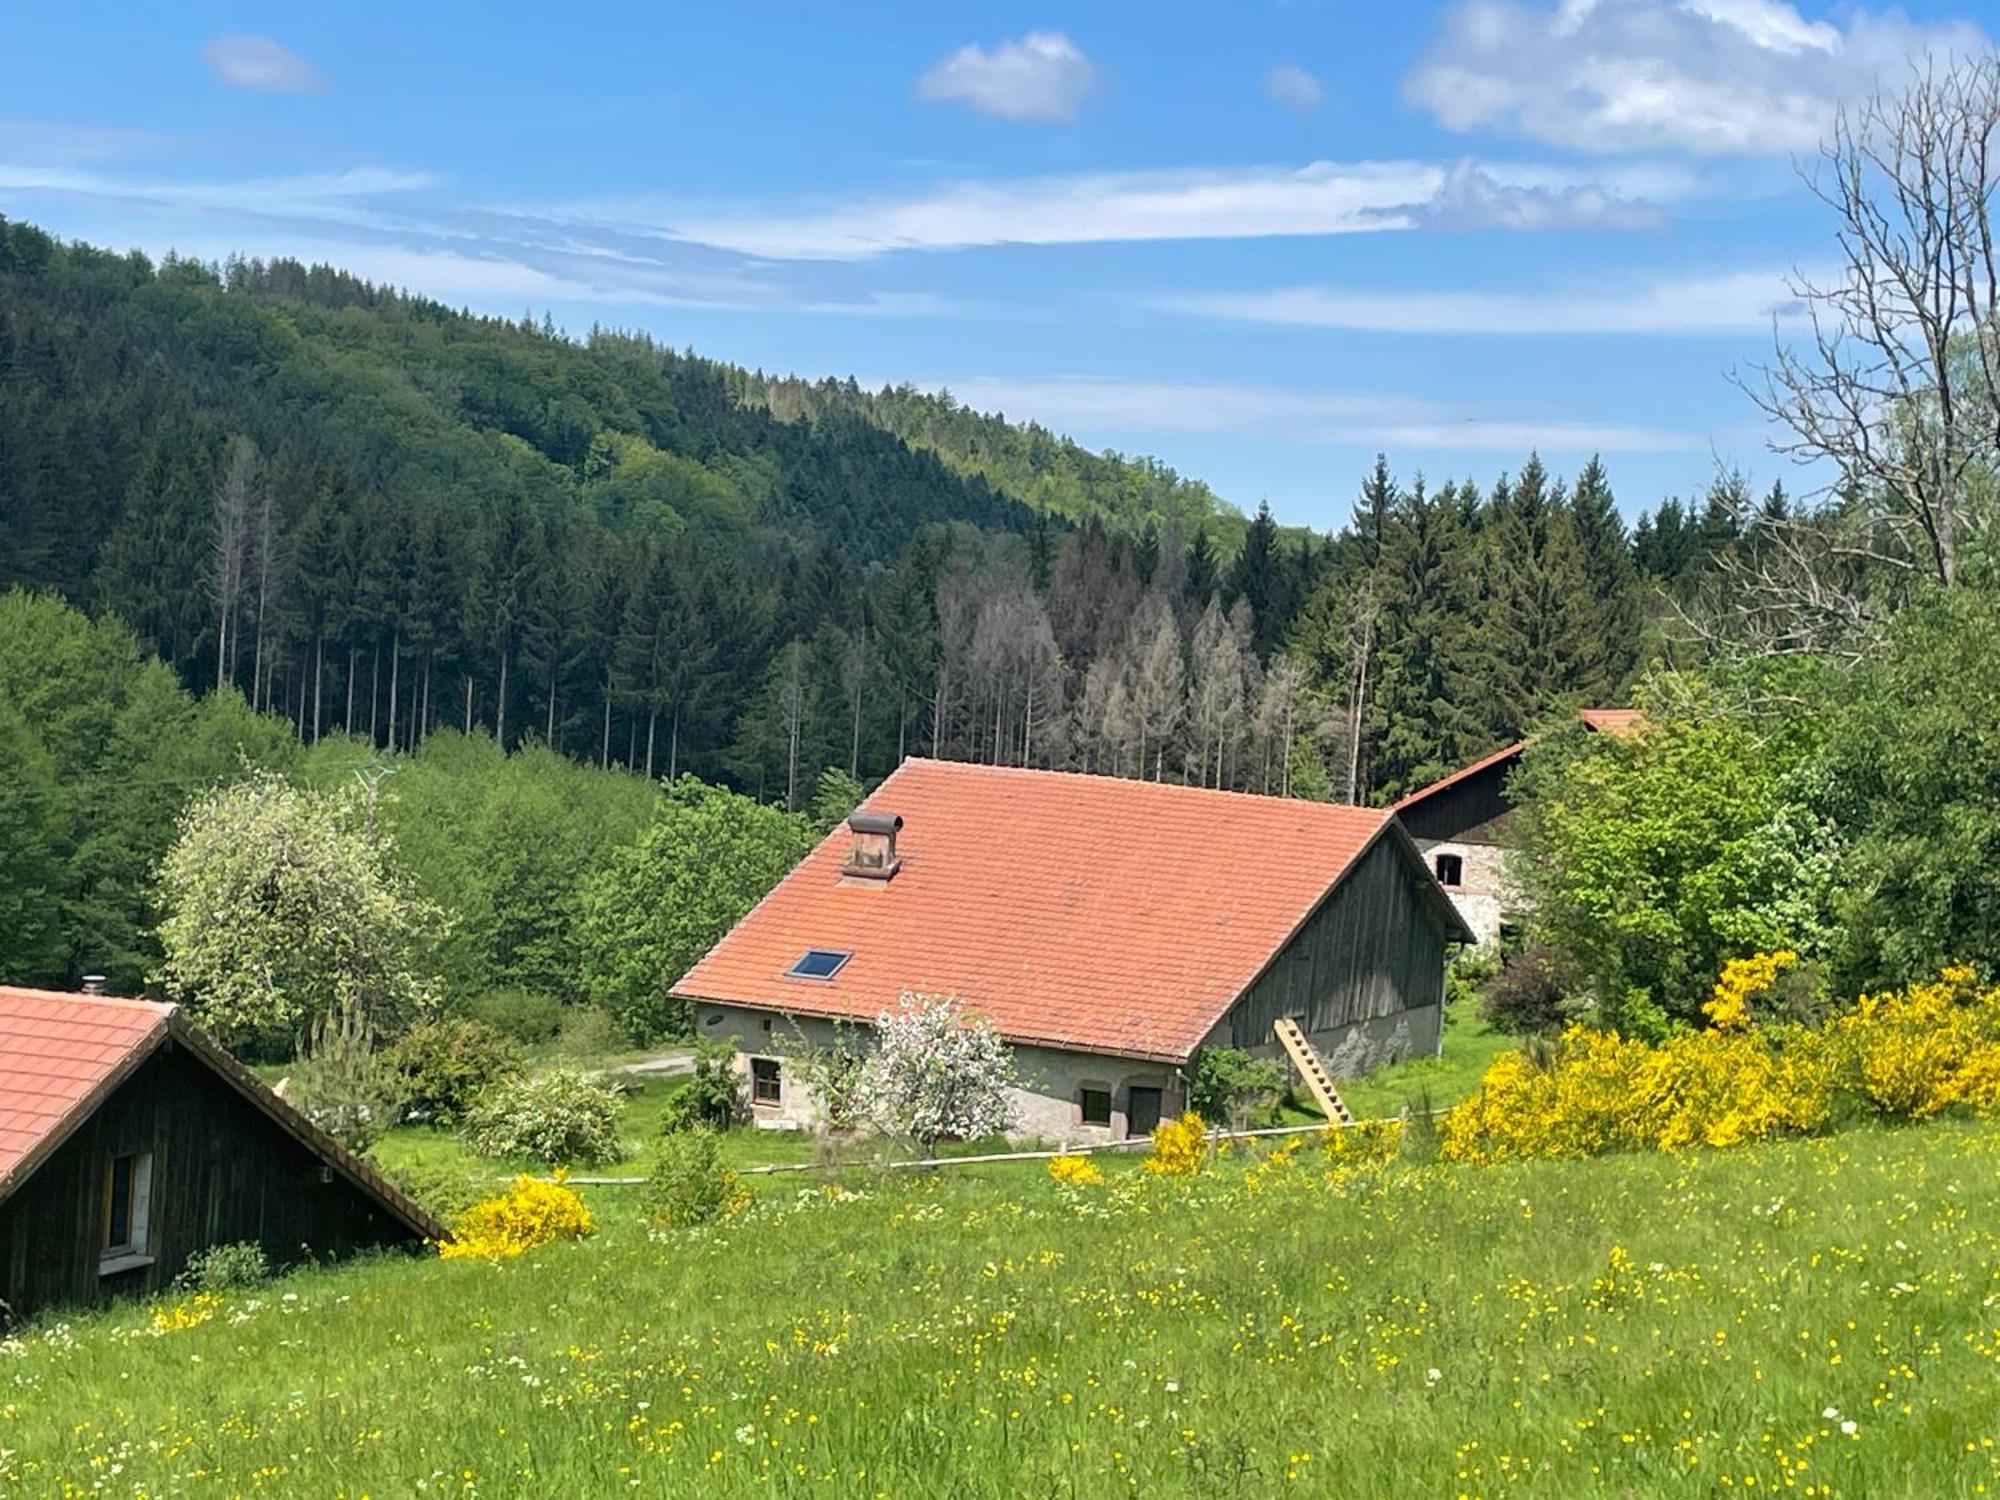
column 1894, row 383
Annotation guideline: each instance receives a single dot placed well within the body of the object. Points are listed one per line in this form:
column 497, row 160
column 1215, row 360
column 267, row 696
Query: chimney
column 93, row 984
column 873, row 855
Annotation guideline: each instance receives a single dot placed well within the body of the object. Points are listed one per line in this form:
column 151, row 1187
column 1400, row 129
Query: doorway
column 1142, row 1110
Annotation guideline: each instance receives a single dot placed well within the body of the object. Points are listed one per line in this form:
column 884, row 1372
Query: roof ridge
column 84, row 997
column 1108, row 778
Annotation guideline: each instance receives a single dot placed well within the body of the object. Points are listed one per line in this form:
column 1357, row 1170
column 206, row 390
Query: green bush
column 446, row 1063
column 1524, row 996
column 689, row 1184
column 352, row 1094
column 447, row 1191
column 589, row 1032
column 1227, row 1085
column 561, row 1118
column 528, row 1016
column 224, row 1268
column 711, row 1099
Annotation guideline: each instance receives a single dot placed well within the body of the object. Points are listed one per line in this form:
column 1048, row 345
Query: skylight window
column 818, row 963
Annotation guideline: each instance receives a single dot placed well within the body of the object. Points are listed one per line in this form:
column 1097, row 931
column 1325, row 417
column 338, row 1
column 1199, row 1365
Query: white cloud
column 1242, row 203
column 1729, row 302
column 1086, row 403
column 1043, row 76
column 258, row 63
column 1293, row 88
column 50, row 143
column 1723, row 77
column 327, row 192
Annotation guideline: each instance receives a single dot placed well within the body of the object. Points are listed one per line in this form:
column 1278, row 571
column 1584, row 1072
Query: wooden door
column 1142, row 1110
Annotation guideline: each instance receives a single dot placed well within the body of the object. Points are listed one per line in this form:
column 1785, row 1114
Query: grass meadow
column 1817, row 1317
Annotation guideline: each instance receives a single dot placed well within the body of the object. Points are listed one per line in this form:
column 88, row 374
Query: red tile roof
column 1613, row 720
column 61, row 1055
column 1085, row 912
column 58, row 1055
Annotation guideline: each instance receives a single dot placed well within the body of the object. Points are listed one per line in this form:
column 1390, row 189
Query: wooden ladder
column 1311, row 1069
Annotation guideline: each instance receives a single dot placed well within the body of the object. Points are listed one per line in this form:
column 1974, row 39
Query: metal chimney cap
column 872, row 822
column 93, row 984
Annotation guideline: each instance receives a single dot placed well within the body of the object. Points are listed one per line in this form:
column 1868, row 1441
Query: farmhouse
column 129, row 1141
column 1460, row 822
column 1107, row 928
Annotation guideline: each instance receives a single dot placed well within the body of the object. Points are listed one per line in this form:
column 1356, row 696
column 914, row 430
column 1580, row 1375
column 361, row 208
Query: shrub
column 445, row 1063
column 446, row 1191
column 529, row 1214
column 224, row 1268
column 837, row 1077
column 528, row 1016
column 1180, row 1147
column 1074, row 1172
column 689, row 1184
column 1924, row 1049
column 1522, row 996
column 353, row 1094
column 589, row 1032
column 562, row 1117
column 711, row 1099
column 1229, row 1084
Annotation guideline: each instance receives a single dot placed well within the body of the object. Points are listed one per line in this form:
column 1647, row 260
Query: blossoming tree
column 937, row 1072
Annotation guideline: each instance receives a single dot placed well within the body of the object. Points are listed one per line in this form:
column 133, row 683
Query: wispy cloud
column 1085, row 404
column 1729, row 77
column 1044, row 76
column 1728, row 302
column 1319, row 198
column 51, row 143
column 1291, row 87
column 262, row 65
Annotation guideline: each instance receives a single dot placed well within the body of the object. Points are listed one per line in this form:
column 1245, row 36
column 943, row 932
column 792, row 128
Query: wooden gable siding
column 1374, row 947
column 223, row 1171
column 1466, row 811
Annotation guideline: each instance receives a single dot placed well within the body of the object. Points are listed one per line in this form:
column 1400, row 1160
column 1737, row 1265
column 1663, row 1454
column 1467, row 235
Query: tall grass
column 1630, row 1326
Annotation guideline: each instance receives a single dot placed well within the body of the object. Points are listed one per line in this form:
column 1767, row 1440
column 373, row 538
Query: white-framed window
column 766, row 1081
column 128, row 1211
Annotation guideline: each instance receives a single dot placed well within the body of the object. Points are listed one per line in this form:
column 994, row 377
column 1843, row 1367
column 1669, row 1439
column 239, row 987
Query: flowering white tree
column 938, row 1071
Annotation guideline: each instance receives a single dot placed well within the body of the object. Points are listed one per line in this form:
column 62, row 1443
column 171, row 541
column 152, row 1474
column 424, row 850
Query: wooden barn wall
column 223, row 1171
column 1467, row 807
column 1375, row 947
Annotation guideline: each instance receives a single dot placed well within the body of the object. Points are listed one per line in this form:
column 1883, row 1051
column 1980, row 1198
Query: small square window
column 128, row 1205
column 818, row 963
column 1451, row 869
column 1096, row 1106
column 766, row 1085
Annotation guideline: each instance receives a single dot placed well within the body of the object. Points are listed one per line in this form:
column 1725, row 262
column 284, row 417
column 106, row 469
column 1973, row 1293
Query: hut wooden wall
column 1468, row 811
column 222, row 1172
column 1375, row 947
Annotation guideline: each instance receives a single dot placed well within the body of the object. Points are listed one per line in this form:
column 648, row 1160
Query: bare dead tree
column 1895, row 381
column 229, row 546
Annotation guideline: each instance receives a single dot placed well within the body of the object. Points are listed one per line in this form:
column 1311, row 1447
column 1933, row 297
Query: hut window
column 766, row 1086
column 1451, row 869
column 128, row 1206
column 1096, row 1106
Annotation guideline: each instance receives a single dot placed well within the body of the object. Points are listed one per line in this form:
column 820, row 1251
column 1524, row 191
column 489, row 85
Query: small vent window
column 1096, row 1106
column 766, row 1081
column 1451, row 869
column 818, row 963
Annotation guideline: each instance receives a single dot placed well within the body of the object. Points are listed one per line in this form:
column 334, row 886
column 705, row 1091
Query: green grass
column 1632, row 1326
column 1469, row 1046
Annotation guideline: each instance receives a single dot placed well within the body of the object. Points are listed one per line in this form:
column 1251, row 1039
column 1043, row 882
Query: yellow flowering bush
column 1926, row 1048
column 1366, row 1144
column 530, row 1213
column 192, row 1313
column 1743, row 979
column 1074, row 1172
column 1179, row 1147
column 1911, row 1053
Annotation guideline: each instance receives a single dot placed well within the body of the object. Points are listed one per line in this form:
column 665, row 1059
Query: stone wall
column 1485, row 896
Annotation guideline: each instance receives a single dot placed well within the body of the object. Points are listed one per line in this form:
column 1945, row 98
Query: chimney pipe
column 93, row 984
column 873, row 854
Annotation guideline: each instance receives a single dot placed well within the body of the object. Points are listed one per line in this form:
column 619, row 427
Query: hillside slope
column 1769, row 1319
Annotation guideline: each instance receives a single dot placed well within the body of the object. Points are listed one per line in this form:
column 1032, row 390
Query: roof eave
column 53, row 1139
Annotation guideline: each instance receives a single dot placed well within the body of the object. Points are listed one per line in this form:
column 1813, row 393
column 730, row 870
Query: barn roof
column 1090, row 913
column 1618, row 721
column 62, row 1055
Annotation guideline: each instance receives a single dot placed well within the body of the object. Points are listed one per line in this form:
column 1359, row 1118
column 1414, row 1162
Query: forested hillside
column 375, row 515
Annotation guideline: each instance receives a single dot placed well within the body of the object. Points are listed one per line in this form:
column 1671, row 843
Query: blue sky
column 1261, row 240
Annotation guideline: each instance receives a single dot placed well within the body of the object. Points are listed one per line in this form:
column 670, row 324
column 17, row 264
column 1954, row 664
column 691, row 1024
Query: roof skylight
column 818, row 963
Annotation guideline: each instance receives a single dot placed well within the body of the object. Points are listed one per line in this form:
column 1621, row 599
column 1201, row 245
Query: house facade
column 129, row 1141
column 1460, row 822
column 1107, row 928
